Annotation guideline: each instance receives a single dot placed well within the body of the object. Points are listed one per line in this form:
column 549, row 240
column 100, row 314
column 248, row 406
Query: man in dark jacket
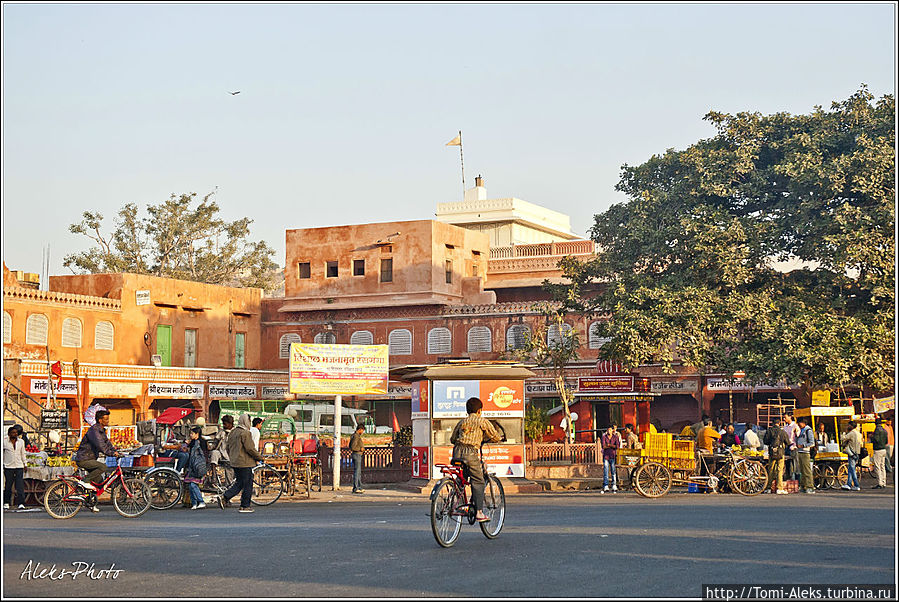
column 879, row 440
column 777, row 442
column 357, row 448
column 92, row 445
column 244, row 456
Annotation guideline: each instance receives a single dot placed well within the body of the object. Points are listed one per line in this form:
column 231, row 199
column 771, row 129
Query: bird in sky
column 234, row 93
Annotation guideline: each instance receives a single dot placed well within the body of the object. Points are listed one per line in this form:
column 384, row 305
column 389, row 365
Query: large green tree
column 180, row 238
column 690, row 267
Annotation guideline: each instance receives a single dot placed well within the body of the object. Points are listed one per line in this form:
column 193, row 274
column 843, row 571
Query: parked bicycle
column 450, row 503
column 66, row 496
column 747, row 477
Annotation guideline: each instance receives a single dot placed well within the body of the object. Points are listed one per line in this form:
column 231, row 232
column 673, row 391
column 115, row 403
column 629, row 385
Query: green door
column 164, row 344
column 239, row 339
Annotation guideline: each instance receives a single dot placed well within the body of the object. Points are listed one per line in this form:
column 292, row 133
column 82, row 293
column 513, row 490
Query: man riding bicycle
column 94, row 442
column 467, row 437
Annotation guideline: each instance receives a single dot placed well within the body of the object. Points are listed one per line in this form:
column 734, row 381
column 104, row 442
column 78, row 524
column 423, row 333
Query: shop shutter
column 362, row 337
column 284, row 345
column 553, row 338
column 36, row 327
column 399, row 342
column 517, row 336
column 7, row 328
column 440, row 340
column 104, row 335
column 479, row 340
column 594, row 341
column 71, row 332
column 325, row 338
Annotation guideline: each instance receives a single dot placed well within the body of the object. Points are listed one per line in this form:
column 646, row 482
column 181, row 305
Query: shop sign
column 597, row 384
column 275, row 392
column 419, row 395
column 142, row 297
column 319, row 369
column 502, row 398
column 450, row 397
column 54, row 419
column 177, row 391
column 420, row 463
column 885, row 404
column 687, row 385
column 738, row 384
column 115, row 390
column 538, row 388
column 503, row 460
column 616, row 397
column 68, row 388
column 399, row 391
column 820, row 398
column 232, row 392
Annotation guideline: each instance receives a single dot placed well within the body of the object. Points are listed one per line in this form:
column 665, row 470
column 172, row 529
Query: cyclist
column 94, row 442
column 468, row 435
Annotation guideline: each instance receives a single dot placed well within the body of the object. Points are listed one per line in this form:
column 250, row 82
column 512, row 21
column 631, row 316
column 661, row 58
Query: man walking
column 792, row 430
column 852, row 445
column 357, row 448
column 879, row 441
column 610, row 444
column 243, row 455
column 805, row 440
column 777, row 442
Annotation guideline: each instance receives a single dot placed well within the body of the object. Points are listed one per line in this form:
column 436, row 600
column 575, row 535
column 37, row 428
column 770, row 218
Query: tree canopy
column 181, row 238
column 691, row 265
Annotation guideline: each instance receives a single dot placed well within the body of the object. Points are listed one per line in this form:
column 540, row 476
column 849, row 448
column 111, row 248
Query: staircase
column 21, row 408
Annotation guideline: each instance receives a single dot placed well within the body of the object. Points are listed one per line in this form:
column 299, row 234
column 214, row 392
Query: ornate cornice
column 27, row 295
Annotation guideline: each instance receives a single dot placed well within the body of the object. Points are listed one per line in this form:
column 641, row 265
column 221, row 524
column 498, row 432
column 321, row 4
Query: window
column 104, row 336
column 358, row 267
column 387, row 270
column 71, row 332
column 304, row 270
column 474, row 269
column 449, row 271
column 553, row 336
column 362, row 337
column 240, row 341
column 331, row 269
column 517, row 336
column 7, row 327
column 594, row 341
column 440, row 340
column 479, row 340
column 284, row 344
column 399, row 342
column 190, row 347
column 387, row 249
column 36, row 327
column 328, row 338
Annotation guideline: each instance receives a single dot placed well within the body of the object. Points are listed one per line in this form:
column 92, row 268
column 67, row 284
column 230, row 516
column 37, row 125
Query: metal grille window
column 36, row 327
column 553, row 336
column 517, row 336
column 284, row 344
column 479, row 340
column 440, row 340
column 71, row 332
column 7, row 328
column 594, row 341
column 326, row 338
column 399, row 342
column 362, row 337
column 104, row 336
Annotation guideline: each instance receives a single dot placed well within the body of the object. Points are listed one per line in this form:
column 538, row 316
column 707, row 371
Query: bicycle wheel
column 823, row 475
column 445, row 523
column 166, row 488
column 748, row 478
column 268, row 485
column 307, row 480
column 131, row 498
column 842, row 476
column 652, row 480
column 317, row 478
column 61, row 500
column 223, row 477
column 494, row 507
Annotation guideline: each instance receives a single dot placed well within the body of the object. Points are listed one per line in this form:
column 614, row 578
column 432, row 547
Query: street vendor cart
column 831, row 470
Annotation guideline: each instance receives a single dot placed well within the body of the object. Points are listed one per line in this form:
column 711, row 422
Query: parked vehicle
column 318, row 418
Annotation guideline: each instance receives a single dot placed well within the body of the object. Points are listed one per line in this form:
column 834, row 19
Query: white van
column 319, row 418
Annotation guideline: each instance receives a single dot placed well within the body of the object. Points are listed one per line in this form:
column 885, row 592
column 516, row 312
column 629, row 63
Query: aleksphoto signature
column 88, row 570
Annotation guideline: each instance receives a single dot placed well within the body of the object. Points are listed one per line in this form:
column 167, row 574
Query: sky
column 345, row 109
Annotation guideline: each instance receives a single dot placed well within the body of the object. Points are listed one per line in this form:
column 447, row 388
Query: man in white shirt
column 254, row 432
column 13, row 468
column 792, row 430
column 751, row 438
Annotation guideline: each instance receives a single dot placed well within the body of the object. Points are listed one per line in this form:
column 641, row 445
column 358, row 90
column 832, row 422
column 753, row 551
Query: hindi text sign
column 320, row 369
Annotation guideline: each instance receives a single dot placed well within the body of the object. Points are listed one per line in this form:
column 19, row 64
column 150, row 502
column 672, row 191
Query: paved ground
column 574, row 544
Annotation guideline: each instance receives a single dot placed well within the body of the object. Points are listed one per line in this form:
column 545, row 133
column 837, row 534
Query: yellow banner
column 820, row 398
column 338, row 369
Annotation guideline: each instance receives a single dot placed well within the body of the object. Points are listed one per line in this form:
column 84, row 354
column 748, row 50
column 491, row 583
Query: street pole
column 336, row 468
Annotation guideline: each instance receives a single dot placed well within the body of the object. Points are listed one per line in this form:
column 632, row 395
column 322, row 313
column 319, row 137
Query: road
column 575, row 544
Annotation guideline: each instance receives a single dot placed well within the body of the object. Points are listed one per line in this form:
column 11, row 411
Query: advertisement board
column 502, row 460
column 598, row 384
column 320, row 369
column 420, row 463
column 449, row 397
column 502, row 398
column 176, row 390
column 820, row 398
column 420, row 399
column 67, row 388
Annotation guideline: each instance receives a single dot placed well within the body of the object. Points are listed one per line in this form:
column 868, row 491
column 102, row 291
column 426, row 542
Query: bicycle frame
column 101, row 487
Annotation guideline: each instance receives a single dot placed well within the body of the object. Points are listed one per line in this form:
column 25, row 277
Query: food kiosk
column 439, row 393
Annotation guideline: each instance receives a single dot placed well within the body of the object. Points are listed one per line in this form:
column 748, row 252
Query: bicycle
column 449, row 503
column 268, row 484
column 65, row 497
column 166, row 487
column 746, row 477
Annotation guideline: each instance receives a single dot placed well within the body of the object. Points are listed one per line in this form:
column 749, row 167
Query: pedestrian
column 792, row 430
column 357, row 448
column 730, row 438
column 879, row 442
column 777, row 442
column 888, row 427
column 610, row 444
column 255, row 432
column 220, row 449
column 13, row 468
column 196, row 468
column 751, row 438
column 244, row 456
column 821, row 437
column 805, row 441
column 22, row 434
column 630, row 437
column 697, row 426
column 852, row 444
column 708, row 435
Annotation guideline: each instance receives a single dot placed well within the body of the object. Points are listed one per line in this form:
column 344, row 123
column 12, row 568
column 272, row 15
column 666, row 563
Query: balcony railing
column 545, row 249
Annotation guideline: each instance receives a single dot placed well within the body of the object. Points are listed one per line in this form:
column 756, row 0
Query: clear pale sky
column 344, row 110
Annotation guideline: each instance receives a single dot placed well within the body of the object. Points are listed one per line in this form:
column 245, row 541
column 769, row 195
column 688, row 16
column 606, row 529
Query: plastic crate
column 127, row 461
column 110, row 461
column 696, row 488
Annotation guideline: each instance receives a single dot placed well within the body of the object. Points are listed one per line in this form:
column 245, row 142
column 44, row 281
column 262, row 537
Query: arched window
column 517, row 336
column 284, row 344
column 362, row 337
column 36, row 327
column 479, row 340
column 440, row 340
column 104, row 335
column 594, row 341
column 327, row 338
column 553, row 337
column 71, row 332
column 399, row 342
column 7, row 327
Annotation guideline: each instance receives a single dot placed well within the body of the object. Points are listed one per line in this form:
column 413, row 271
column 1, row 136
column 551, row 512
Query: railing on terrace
column 544, row 249
column 380, row 464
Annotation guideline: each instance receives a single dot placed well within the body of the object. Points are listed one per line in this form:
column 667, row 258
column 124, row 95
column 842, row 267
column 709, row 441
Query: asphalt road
column 576, row 544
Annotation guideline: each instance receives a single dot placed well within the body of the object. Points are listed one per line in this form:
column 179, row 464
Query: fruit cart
column 831, row 469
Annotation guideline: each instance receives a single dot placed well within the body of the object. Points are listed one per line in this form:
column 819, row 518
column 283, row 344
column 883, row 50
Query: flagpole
column 462, row 163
